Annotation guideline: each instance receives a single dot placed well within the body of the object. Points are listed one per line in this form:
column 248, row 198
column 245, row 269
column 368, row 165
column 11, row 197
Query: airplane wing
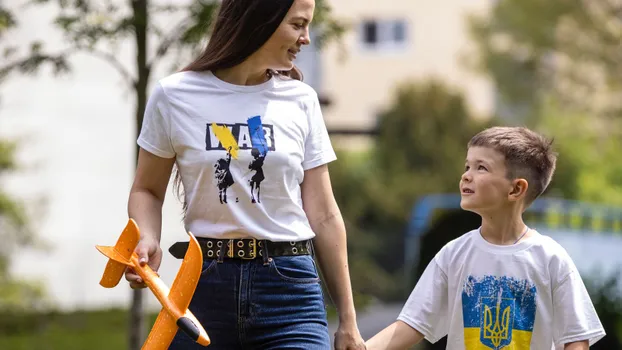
column 162, row 332
column 188, row 276
column 180, row 294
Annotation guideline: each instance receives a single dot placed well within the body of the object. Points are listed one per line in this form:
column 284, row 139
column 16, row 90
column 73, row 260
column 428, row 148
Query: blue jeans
column 246, row 304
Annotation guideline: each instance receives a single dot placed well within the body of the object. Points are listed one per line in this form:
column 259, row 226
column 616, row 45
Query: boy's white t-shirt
column 485, row 296
column 241, row 150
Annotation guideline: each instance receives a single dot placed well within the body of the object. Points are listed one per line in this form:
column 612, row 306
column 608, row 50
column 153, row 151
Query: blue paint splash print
column 259, row 152
column 258, row 136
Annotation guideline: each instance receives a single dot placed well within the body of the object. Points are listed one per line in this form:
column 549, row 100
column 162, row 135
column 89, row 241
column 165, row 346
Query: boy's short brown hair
column 528, row 155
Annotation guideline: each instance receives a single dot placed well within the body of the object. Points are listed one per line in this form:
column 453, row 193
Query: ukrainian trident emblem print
column 496, row 329
column 498, row 312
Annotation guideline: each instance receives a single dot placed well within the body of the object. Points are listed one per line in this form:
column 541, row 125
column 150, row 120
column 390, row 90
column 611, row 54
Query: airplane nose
column 186, row 325
column 204, row 340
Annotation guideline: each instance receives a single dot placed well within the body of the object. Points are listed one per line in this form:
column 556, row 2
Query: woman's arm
column 147, row 193
column 145, row 207
column 331, row 250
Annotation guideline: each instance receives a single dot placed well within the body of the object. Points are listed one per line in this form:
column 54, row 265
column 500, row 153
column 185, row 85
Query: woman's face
column 279, row 52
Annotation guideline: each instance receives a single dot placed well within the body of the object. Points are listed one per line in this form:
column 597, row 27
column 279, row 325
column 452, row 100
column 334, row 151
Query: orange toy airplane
column 175, row 302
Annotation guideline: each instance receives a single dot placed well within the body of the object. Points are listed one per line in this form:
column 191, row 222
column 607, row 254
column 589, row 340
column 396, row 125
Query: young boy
column 502, row 286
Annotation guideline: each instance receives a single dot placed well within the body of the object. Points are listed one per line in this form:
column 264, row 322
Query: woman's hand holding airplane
column 149, row 252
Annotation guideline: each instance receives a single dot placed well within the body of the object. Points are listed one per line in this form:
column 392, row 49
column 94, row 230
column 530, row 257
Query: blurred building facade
column 389, row 43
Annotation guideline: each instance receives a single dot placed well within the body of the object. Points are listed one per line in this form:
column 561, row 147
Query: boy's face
column 484, row 186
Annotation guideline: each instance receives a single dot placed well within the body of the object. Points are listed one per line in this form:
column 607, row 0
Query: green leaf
column 200, row 14
column 15, row 233
column 328, row 27
column 7, row 150
column 19, row 295
column 7, row 20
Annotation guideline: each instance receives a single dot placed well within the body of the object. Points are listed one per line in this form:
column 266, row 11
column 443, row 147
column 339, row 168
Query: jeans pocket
column 208, row 266
column 295, row 269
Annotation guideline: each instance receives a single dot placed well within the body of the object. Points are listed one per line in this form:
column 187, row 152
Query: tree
column 98, row 27
column 422, row 140
column 350, row 176
column 568, row 49
column 420, row 149
column 15, row 232
column 556, row 65
column 589, row 164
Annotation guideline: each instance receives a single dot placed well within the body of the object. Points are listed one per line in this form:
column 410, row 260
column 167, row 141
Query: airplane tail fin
column 119, row 255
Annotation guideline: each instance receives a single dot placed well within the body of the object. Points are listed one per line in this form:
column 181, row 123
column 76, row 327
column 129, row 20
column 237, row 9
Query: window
column 370, row 32
column 399, row 32
column 383, row 34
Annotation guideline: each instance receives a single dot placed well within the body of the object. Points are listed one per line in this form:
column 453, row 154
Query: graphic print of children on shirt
column 234, row 139
column 223, row 176
column 255, row 181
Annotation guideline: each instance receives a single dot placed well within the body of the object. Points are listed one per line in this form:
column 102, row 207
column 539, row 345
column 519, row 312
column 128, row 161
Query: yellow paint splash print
column 224, row 135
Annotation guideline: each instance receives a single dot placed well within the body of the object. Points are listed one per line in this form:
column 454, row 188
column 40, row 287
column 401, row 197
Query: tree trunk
column 137, row 326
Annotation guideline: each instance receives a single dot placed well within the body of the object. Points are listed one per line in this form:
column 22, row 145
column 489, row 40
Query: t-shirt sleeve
column 426, row 308
column 575, row 318
column 318, row 147
column 155, row 134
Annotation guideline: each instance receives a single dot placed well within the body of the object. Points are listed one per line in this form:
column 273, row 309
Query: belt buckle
column 253, row 253
column 230, row 248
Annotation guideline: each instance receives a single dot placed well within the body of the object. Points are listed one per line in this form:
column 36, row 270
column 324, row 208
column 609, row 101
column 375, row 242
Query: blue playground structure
column 592, row 234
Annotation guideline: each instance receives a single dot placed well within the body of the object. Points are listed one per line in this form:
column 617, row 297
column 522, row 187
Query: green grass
column 80, row 330
column 93, row 330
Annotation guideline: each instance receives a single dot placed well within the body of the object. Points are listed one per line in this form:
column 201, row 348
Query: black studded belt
column 242, row 248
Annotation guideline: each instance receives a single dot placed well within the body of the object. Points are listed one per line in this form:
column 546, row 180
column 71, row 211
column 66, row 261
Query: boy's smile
column 484, row 185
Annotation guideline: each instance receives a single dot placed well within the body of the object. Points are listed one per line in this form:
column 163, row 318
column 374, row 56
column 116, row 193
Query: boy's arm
column 578, row 345
column 398, row 335
column 424, row 315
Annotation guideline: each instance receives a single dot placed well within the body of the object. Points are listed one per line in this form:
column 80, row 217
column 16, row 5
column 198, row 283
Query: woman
column 241, row 100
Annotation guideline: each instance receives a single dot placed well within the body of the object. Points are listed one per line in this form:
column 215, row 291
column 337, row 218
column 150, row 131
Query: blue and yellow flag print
column 498, row 313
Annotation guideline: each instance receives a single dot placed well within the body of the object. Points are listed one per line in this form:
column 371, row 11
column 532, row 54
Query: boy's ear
column 519, row 189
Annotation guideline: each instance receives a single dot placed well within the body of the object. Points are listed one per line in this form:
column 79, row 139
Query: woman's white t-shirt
column 241, row 150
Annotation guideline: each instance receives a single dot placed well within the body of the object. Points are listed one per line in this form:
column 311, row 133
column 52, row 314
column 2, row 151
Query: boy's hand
column 398, row 335
column 149, row 252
